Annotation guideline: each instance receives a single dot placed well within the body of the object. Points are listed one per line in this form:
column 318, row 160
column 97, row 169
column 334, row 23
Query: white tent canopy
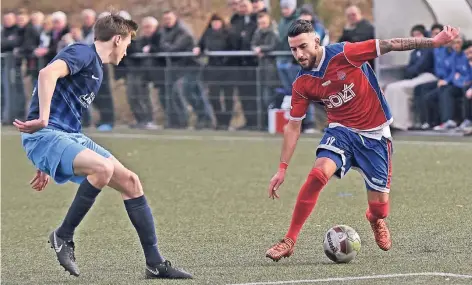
column 394, row 18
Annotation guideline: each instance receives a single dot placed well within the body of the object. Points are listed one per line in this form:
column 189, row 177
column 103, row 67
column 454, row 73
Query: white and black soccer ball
column 341, row 244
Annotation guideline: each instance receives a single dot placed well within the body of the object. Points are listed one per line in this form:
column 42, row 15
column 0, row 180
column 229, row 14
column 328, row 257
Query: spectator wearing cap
column 418, row 70
column 286, row 67
column 216, row 75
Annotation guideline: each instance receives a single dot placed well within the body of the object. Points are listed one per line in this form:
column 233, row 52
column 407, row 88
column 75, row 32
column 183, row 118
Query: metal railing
column 184, row 90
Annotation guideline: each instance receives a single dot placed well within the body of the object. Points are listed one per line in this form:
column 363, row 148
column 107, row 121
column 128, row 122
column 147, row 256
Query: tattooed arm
column 444, row 37
column 402, row 44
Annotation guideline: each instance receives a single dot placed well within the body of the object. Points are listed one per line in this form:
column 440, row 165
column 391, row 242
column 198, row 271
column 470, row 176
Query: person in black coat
column 357, row 29
column 216, row 75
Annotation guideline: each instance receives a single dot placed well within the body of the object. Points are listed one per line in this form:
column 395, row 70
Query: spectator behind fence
column 286, row 68
column 446, row 98
column 307, row 14
column 357, row 29
column 442, row 63
column 216, row 74
column 89, row 17
column 59, row 29
column 141, row 74
column 37, row 20
column 467, row 123
column 104, row 100
column 9, row 41
column 419, row 70
column 234, row 6
column 258, row 6
column 176, row 37
column 264, row 41
column 241, row 34
column 30, row 40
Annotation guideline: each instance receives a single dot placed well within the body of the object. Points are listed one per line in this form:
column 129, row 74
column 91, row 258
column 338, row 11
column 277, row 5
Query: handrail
column 204, row 53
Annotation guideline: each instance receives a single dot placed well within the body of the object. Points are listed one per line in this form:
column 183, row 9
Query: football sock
column 377, row 210
column 306, row 201
column 140, row 215
column 81, row 204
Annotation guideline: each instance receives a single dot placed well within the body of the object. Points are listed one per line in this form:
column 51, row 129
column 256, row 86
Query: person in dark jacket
column 241, row 34
column 258, row 6
column 357, row 29
column 176, row 37
column 264, row 41
column 449, row 96
column 140, row 74
column 9, row 42
column 420, row 69
column 216, row 75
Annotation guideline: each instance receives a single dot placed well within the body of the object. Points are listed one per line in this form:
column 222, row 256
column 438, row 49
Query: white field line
column 355, row 278
column 251, row 138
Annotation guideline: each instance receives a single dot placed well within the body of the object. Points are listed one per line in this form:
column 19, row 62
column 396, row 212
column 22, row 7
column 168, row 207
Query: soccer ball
column 341, row 244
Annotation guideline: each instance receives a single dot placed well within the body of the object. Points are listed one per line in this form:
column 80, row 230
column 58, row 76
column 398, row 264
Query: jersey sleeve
column 299, row 105
column 76, row 57
column 358, row 53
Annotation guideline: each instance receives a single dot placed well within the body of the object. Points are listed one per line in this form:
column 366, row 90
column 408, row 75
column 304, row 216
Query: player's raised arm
column 291, row 136
column 401, row 44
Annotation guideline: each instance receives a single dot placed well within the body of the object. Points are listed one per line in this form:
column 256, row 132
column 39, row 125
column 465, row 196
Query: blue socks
column 82, row 203
column 140, row 215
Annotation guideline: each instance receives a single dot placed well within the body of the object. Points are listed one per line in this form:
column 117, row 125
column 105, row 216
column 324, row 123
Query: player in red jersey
column 358, row 134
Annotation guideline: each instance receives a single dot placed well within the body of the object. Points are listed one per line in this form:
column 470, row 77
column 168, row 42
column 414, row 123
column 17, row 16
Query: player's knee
column 134, row 188
column 104, row 171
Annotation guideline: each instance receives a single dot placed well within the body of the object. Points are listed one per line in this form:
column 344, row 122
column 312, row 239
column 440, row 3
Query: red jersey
column 346, row 85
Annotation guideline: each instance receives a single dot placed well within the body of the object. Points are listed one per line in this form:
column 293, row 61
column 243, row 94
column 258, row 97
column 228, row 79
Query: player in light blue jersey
column 52, row 139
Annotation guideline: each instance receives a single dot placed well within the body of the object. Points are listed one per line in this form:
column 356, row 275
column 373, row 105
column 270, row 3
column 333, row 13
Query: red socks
column 306, row 201
column 377, row 210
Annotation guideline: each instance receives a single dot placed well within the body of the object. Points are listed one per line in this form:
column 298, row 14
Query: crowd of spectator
column 183, row 83
column 436, row 92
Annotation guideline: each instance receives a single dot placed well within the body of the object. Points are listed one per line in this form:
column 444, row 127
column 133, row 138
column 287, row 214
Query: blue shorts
column 53, row 152
column 371, row 157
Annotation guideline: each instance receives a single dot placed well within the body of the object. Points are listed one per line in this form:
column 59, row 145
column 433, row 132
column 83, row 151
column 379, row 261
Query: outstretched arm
column 401, row 44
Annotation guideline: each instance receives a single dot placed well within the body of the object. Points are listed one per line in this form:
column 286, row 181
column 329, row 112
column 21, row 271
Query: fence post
column 259, row 93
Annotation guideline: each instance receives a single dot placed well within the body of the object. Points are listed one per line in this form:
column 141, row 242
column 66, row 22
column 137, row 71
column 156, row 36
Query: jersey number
column 330, row 140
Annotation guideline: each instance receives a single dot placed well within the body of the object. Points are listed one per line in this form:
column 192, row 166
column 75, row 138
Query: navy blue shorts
column 53, row 152
column 371, row 157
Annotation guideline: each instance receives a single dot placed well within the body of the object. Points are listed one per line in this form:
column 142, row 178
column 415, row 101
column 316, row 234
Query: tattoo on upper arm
column 401, row 44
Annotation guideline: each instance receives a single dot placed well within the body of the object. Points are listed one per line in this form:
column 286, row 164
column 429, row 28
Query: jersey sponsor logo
column 340, row 98
column 87, row 99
